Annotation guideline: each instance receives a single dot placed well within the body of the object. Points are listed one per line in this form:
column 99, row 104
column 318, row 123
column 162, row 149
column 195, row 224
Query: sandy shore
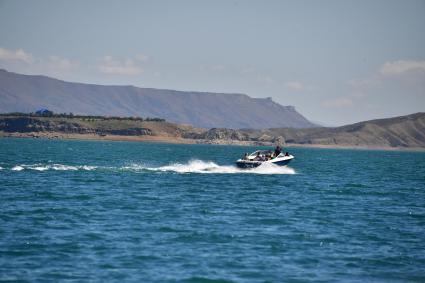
column 178, row 140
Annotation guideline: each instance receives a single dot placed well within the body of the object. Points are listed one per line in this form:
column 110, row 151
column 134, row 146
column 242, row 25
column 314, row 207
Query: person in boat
column 277, row 151
column 259, row 157
column 268, row 156
column 245, row 157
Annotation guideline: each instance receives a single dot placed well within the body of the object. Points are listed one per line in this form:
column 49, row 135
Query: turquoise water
column 144, row 212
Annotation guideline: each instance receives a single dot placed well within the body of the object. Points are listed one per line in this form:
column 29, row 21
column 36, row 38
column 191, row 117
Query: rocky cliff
column 102, row 126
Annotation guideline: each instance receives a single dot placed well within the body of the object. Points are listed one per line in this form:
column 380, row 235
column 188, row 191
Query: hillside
column 100, row 126
column 24, row 93
column 399, row 132
column 403, row 131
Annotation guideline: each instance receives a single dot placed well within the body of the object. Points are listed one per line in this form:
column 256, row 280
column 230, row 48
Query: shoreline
column 95, row 137
column 179, row 140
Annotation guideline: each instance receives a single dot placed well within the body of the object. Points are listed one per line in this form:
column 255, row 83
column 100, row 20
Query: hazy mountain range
column 27, row 93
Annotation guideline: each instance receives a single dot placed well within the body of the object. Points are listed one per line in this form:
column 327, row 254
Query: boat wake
column 56, row 167
column 199, row 166
column 193, row 166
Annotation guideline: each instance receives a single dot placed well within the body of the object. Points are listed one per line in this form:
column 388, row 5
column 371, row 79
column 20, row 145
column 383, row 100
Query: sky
column 337, row 62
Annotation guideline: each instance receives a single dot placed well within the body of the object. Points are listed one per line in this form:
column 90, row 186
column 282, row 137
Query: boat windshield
column 262, row 152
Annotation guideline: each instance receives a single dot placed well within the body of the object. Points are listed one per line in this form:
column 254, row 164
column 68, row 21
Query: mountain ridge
column 27, row 93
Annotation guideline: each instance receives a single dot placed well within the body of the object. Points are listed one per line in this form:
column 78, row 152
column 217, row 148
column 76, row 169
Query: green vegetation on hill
column 83, row 117
column 77, row 124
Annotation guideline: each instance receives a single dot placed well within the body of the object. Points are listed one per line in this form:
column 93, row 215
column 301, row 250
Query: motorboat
column 259, row 157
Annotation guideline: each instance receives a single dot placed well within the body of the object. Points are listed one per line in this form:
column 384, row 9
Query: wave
column 193, row 166
column 57, row 167
column 199, row 166
column 17, row 168
column 134, row 167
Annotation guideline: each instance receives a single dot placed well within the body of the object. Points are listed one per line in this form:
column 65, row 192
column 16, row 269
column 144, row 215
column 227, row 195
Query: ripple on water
column 107, row 211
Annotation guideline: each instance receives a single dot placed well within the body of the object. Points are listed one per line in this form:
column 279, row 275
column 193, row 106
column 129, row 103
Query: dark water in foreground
column 142, row 212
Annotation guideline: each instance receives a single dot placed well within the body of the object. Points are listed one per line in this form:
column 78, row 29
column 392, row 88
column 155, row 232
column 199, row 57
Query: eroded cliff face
column 28, row 124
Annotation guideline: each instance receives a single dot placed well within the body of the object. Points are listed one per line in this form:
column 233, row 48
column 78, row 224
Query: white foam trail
column 57, row 167
column 199, row 166
column 61, row 167
column 88, row 168
column 38, row 168
column 134, row 167
column 17, row 168
column 268, row 168
column 193, row 166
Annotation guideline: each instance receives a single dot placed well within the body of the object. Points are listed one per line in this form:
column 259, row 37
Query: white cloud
column 18, row 54
column 339, row 102
column 218, row 68
column 265, row 79
column 364, row 83
column 128, row 67
column 248, row 70
column 400, row 72
column 358, row 94
column 55, row 62
column 294, row 85
column 401, row 66
column 142, row 57
column 20, row 61
column 212, row 68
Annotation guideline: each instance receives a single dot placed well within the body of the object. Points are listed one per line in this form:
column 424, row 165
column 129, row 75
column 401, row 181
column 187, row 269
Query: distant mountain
column 25, row 93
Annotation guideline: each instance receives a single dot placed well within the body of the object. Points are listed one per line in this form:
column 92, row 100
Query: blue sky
column 337, row 62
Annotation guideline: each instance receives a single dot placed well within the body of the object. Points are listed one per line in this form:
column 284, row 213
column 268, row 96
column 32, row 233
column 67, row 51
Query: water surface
column 145, row 212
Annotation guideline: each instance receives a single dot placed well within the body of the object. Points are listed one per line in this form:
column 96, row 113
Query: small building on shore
column 44, row 112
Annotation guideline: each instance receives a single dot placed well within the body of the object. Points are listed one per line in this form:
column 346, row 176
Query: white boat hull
column 249, row 163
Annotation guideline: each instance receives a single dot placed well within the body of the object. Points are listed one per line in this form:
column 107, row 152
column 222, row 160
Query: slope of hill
column 403, row 131
column 24, row 93
column 399, row 132
column 90, row 127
